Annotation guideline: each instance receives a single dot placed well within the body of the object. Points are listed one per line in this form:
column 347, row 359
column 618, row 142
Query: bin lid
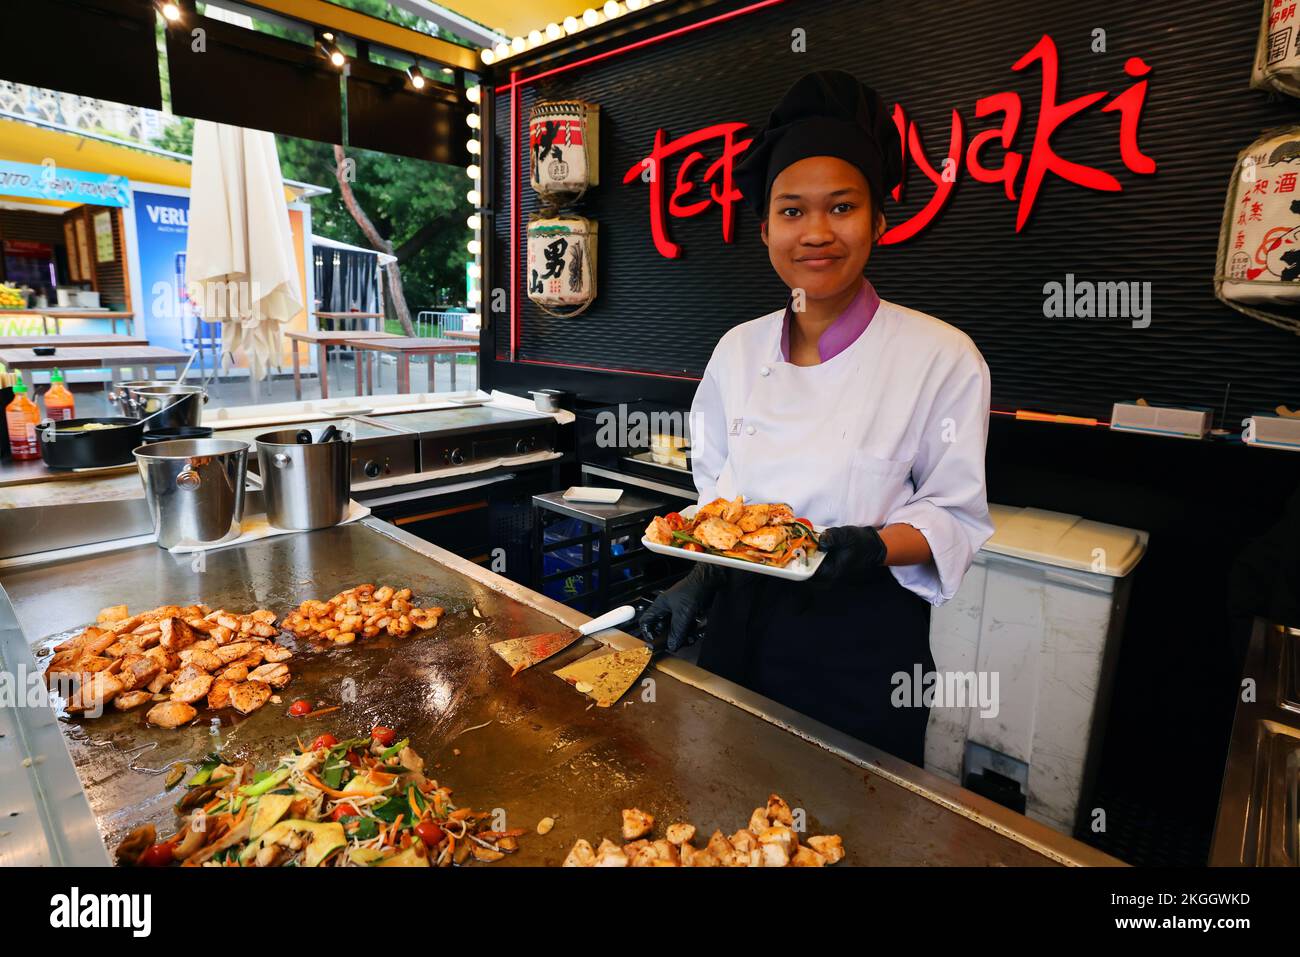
column 1065, row 541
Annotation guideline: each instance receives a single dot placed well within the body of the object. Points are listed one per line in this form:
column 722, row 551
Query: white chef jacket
column 892, row 429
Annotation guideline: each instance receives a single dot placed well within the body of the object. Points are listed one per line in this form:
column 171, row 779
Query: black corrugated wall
column 970, row 267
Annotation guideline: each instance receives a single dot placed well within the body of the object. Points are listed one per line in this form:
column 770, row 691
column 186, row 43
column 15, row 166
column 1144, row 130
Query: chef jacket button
column 765, row 371
column 749, row 430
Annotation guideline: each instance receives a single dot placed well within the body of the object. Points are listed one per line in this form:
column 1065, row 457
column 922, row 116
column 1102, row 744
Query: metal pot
column 195, row 488
column 178, row 405
column 123, row 397
column 63, row 448
column 305, row 485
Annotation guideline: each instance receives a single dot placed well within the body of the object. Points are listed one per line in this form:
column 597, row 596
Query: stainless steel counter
column 702, row 750
column 1259, row 807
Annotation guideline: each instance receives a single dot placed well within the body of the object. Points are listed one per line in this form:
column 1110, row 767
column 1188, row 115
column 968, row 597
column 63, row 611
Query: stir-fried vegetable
column 364, row 801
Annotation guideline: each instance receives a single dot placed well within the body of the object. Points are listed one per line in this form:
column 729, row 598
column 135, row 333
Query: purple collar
column 846, row 328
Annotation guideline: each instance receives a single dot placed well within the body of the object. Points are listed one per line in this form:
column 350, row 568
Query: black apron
column 829, row 651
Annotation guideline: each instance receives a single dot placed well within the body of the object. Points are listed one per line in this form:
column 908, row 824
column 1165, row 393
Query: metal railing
column 433, row 323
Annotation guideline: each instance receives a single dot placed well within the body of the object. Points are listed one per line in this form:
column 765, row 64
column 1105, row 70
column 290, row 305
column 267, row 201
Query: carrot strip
column 322, row 786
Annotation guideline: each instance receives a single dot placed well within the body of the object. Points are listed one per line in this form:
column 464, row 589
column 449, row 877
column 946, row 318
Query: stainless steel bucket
column 195, row 488
column 124, row 398
column 305, row 486
column 176, row 405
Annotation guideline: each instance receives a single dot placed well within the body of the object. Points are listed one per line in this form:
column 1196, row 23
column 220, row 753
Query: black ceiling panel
column 386, row 114
column 245, row 78
column 100, row 48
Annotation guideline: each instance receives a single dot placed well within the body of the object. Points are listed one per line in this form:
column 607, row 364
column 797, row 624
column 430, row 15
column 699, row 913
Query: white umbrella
column 239, row 247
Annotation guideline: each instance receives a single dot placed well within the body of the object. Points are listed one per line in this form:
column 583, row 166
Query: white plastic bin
column 1040, row 612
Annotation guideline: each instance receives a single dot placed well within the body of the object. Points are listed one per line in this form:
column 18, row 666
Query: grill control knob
column 372, row 469
column 521, row 447
column 456, row 457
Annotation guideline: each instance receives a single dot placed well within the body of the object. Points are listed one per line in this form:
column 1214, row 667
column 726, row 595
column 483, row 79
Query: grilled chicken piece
column 236, row 673
column 718, row 533
column 202, row 659
column 581, row 855
column 95, row 693
column 610, row 854
column 680, row 833
column 712, row 509
column 263, row 615
column 137, row 671
column 191, row 689
column 753, row 517
column 161, row 682
column 721, row 849
column 829, row 846
column 276, row 653
column 131, row 699
column 659, row 532
column 170, row 714
column 778, row 513
column 807, row 857
column 277, row 676
column 248, row 696
column 111, row 615
column 636, row 823
column 176, row 634
column 234, row 651
column 219, row 693
column 758, row 822
column 769, row 538
column 778, row 811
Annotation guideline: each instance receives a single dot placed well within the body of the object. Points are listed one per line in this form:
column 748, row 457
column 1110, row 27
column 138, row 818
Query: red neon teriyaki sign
column 681, row 196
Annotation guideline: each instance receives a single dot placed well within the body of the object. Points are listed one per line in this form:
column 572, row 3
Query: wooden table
column 107, row 339
column 333, row 317
column 113, row 358
column 56, row 314
column 406, row 346
column 323, row 339
column 464, row 335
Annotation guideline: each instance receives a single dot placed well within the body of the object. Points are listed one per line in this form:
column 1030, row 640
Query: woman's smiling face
column 820, row 225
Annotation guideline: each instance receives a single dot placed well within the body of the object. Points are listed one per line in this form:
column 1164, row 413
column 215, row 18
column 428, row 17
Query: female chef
column 865, row 416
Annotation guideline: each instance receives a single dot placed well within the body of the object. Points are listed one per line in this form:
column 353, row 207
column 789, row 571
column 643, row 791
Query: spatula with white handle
column 521, row 653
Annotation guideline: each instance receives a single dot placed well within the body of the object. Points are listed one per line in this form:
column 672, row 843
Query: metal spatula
column 521, row 653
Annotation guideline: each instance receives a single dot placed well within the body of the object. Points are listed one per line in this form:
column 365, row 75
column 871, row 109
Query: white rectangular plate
column 796, row 571
column 588, row 493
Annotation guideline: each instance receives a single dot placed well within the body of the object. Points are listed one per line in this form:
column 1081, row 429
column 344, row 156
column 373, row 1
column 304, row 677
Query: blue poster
column 161, row 228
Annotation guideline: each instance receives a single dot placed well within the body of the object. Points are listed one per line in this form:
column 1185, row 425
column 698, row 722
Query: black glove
column 852, row 553
column 676, row 608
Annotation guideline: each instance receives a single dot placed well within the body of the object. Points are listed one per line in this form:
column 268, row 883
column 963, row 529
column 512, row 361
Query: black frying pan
column 63, row 448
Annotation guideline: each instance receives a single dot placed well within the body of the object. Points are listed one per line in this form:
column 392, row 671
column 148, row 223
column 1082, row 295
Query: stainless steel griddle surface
column 687, row 755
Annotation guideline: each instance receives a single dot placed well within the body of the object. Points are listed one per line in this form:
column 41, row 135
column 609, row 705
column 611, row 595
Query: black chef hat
column 825, row 113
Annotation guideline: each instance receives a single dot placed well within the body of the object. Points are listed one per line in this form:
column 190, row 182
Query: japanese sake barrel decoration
column 564, row 149
column 1258, row 267
column 562, row 264
column 1277, row 53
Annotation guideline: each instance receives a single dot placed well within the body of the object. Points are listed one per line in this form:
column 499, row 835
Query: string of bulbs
column 555, row 31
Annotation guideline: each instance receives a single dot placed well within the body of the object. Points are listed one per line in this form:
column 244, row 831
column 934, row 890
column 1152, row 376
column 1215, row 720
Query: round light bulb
column 473, row 146
column 572, row 25
column 171, row 12
column 473, row 222
column 534, row 37
column 475, row 271
column 473, row 197
column 417, row 81
column 474, row 247
column 554, row 31
column 590, row 17
column 613, row 9
column 519, row 44
column 488, row 56
column 472, row 171
column 337, row 58
column 472, row 119
column 502, row 50
column 473, row 93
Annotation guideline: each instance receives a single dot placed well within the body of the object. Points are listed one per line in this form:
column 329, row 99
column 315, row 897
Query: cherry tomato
column 160, row 855
column 430, row 833
column 692, row 547
column 343, row 810
column 300, row 708
column 804, row 521
column 675, row 521
column 353, row 759
column 384, row 736
column 324, row 741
